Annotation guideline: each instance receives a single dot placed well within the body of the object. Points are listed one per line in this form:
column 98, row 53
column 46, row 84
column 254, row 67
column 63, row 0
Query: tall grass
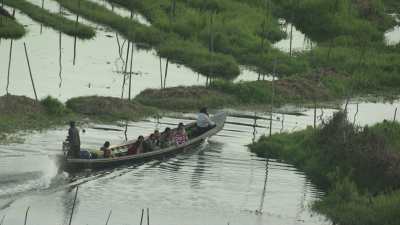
column 11, row 29
column 53, row 20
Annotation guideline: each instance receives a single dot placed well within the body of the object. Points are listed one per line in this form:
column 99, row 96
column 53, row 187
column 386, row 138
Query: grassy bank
column 52, row 20
column 189, row 53
column 10, row 29
column 19, row 113
column 359, row 168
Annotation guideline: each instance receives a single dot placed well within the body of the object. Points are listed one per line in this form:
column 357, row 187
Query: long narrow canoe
column 73, row 163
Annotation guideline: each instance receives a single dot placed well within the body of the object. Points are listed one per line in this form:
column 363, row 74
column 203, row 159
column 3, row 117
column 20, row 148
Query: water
column 392, row 36
column 300, row 42
column 220, row 182
column 216, row 183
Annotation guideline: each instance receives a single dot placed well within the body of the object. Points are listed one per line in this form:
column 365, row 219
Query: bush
column 53, row 106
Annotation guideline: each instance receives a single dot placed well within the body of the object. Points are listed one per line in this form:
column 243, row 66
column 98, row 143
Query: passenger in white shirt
column 203, row 122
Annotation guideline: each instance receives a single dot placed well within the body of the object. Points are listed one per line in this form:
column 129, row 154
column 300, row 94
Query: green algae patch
column 185, row 98
column 10, row 29
column 53, row 20
column 109, row 108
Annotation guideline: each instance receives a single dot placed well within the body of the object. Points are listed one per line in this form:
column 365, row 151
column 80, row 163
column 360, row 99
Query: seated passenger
column 203, row 122
column 106, row 150
column 166, row 138
column 157, row 137
column 137, row 147
column 151, row 143
column 180, row 135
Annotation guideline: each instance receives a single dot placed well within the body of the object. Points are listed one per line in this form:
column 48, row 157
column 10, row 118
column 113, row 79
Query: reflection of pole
column 9, row 66
column 260, row 209
column 30, row 72
column 395, row 114
column 126, row 131
column 355, row 116
column 254, row 127
column 291, row 40
column 125, row 70
column 73, row 205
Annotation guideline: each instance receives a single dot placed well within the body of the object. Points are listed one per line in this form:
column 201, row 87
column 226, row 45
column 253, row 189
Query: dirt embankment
column 14, row 105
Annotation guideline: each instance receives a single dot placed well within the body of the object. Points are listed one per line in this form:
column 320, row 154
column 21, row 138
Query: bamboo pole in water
column 131, row 66
column 41, row 25
column 141, row 218
column 2, row 220
column 161, row 74
column 60, row 53
column 395, row 115
column 26, row 215
column 272, row 98
column 148, row 216
column 125, row 70
column 76, row 26
column 166, row 73
column 108, row 218
column 9, row 66
column 73, row 205
column 30, row 71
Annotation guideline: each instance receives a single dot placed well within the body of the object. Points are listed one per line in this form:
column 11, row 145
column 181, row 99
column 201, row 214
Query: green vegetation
column 185, row 98
column 53, row 20
column 176, row 49
column 237, row 28
column 20, row 113
column 359, row 168
column 10, row 29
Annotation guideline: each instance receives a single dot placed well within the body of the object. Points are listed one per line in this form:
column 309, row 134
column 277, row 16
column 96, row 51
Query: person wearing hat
column 203, row 122
column 74, row 140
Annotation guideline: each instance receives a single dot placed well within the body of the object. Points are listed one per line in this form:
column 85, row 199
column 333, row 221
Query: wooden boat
column 74, row 163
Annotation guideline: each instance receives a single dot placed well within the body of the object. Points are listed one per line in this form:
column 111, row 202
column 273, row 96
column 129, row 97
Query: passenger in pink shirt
column 180, row 135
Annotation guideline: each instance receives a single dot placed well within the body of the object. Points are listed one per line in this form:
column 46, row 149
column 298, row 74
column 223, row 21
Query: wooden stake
column 395, row 114
column 108, row 218
column 141, row 218
column 291, row 40
column 161, row 74
column 41, row 25
column 125, row 70
column 30, row 72
column 165, row 73
column 2, row 220
column 272, row 98
column 148, row 216
column 130, row 70
column 76, row 27
column 9, row 66
column 260, row 209
column 26, row 215
column 73, row 205
column 315, row 112
column 60, row 56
